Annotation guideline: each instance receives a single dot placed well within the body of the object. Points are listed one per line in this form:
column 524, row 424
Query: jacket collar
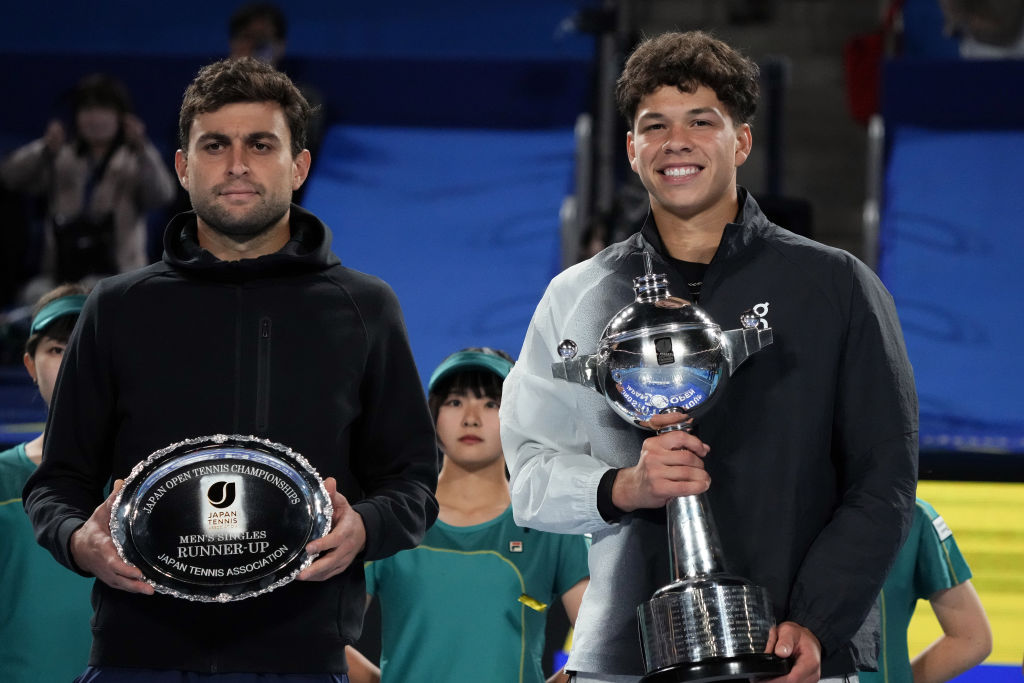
column 737, row 235
column 309, row 249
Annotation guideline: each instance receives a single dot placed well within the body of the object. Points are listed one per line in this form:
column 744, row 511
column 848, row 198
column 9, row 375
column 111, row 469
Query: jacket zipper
column 263, row 377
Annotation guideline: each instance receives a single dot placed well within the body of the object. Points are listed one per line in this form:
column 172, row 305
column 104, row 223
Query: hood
column 309, row 250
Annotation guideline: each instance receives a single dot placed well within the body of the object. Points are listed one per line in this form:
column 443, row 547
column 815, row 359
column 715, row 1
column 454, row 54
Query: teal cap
column 58, row 308
column 470, row 360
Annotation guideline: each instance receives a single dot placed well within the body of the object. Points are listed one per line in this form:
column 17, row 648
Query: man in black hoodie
column 249, row 325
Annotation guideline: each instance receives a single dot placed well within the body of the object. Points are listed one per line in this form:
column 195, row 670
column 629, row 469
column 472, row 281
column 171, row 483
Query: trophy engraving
column 663, row 354
column 220, row 518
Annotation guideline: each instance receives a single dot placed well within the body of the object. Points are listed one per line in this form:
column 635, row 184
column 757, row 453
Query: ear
column 631, row 151
column 30, row 365
column 300, row 168
column 181, row 168
column 744, row 143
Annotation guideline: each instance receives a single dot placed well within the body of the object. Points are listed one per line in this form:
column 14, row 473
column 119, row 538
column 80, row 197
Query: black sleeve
column 875, row 445
column 395, row 456
column 605, row 505
column 65, row 489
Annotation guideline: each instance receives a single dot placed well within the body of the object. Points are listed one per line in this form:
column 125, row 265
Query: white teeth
column 679, row 172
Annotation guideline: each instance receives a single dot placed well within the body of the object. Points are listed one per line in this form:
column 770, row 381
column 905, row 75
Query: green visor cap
column 470, row 360
column 58, row 308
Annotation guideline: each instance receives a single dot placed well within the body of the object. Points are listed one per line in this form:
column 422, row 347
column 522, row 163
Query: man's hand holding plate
column 338, row 548
column 92, row 549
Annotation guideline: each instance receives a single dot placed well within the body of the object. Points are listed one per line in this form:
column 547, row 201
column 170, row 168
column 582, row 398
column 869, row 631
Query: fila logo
column 515, row 546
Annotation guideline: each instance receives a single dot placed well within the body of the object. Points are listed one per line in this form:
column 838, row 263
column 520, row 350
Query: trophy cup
column 220, row 518
column 662, row 354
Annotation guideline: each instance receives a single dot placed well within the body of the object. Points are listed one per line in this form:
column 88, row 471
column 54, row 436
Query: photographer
column 99, row 183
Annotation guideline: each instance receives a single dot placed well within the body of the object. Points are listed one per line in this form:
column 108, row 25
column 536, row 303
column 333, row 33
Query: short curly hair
column 688, row 61
column 243, row 80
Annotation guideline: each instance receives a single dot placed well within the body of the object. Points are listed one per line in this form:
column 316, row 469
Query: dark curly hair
column 688, row 61
column 243, row 80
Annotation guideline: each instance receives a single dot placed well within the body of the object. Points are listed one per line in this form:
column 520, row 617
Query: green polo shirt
column 929, row 561
column 470, row 603
column 44, row 608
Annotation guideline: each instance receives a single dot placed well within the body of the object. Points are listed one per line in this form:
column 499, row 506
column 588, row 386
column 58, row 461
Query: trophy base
column 715, row 621
column 740, row 668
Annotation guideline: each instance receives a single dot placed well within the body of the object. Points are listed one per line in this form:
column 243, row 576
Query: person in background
column 930, row 567
column 987, row 29
column 44, row 608
column 260, row 30
column 100, row 181
column 470, row 602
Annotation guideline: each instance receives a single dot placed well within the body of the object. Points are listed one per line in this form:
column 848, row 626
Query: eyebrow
column 698, row 111
column 214, row 136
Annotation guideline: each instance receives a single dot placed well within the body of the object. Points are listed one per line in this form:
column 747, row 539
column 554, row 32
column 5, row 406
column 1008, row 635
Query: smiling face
column 239, row 170
column 686, row 149
column 468, row 430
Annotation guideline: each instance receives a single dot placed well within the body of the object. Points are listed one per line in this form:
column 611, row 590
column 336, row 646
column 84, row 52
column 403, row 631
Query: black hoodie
column 292, row 347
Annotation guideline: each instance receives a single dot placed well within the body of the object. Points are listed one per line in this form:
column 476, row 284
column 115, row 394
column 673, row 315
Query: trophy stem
column 693, row 545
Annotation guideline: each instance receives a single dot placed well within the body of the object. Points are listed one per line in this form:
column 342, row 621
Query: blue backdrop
column 463, row 223
column 951, row 245
column 951, row 256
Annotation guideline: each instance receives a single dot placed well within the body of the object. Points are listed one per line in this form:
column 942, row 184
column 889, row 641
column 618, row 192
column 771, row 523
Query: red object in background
column 863, row 55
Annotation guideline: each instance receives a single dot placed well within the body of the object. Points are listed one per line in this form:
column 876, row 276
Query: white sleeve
column 554, row 477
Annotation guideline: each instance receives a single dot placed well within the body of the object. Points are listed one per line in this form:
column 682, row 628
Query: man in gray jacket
column 809, row 459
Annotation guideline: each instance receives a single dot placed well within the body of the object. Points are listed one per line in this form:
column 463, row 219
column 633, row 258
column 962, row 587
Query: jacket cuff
column 820, row 631
column 372, row 523
column 64, row 533
column 605, row 507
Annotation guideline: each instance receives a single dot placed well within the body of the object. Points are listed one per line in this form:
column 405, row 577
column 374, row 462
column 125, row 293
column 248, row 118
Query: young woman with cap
column 470, row 603
column 44, row 603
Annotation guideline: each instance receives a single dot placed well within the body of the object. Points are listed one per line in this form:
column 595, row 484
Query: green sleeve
column 572, row 562
column 940, row 564
column 370, row 571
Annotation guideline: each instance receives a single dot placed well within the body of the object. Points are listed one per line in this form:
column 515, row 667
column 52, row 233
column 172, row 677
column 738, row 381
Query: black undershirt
column 691, row 273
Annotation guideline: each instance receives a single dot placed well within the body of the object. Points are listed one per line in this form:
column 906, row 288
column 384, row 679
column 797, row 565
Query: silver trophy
column 220, row 518
column 662, row 354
